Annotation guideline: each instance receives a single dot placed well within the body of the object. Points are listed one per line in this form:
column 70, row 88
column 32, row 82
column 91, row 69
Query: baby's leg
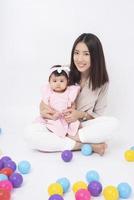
column 73, row 128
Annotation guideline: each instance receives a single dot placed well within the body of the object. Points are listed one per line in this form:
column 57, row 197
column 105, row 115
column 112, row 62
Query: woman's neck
column 84, row 76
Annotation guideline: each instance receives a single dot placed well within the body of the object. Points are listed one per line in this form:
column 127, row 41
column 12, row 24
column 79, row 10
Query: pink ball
column 82, row 194
column 7, row 185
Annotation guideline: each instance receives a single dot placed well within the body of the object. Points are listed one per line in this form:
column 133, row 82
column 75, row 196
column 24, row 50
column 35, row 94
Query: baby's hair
column 56, row 73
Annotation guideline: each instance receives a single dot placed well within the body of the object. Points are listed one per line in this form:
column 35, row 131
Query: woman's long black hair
column 98, row 72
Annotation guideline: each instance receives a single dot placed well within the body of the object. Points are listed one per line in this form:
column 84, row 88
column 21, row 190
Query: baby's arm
column 73, row 105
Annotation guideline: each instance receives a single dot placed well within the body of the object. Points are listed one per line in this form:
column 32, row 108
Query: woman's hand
column 46, row 111
column 71, row 115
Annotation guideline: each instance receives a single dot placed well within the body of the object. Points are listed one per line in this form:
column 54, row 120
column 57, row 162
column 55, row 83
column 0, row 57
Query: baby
column 59, row 96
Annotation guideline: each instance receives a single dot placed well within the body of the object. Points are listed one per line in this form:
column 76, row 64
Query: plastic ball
column 86, row 149
column 7, row 171
column 10, row 164
column 56, row 197
column 4, row 194
column 95, row 188
column 6, row 184
column 4, row 159
column 55, row 188
column 16, row 179
column 3, row 177
column 67, row 155
column 129, row 155
column 92, row 175
column 82, row 194
column 111, row 193
column 65, row 183
column 79, row 185
column 1, row 164
column 24, row 167
column 124, row 190
column 132, row 148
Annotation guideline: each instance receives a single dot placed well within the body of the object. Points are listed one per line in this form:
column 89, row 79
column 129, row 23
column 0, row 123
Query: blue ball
column 65, row 183
column 24, row 167
column 124, row 190
column 92, row 175
column 3, row 177
column 86, row 149
column 132, row 148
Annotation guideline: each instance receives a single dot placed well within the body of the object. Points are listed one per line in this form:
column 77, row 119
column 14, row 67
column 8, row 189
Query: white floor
column 48, row 167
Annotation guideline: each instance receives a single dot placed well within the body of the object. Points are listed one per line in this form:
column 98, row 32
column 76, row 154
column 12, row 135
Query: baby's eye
column 61, row 81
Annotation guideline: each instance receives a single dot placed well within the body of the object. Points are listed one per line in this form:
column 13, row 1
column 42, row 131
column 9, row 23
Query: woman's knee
column 32, row 130
column 113, row 123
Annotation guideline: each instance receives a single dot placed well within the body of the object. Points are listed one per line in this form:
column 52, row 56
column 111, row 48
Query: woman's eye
column 76, row 53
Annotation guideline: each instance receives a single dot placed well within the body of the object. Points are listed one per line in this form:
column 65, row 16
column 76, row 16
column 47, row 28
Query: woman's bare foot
column 76, row 138
column 99, row 148
column 77, row 146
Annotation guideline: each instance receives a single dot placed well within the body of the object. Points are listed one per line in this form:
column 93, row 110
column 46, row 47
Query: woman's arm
column 101, row 102
column 46, row 111
column 72, row 115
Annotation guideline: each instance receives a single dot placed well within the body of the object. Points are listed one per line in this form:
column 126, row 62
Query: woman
column 88, row 69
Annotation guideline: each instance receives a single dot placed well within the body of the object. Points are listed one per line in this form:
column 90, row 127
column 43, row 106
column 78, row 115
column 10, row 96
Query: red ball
column 4, row 194
column 6, row 185
column 7, row 171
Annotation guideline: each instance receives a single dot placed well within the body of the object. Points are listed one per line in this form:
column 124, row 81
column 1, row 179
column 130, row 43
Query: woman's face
column 81, row 56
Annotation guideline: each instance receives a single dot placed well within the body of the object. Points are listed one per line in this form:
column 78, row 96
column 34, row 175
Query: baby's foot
column 99, row 148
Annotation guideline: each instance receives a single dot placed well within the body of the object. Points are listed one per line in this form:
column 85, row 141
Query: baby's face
column 58, row 83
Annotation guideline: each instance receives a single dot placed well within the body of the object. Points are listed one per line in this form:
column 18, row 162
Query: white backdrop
column 36, row 34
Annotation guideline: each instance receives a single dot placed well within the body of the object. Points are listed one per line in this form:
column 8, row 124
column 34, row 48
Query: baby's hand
column 65, row 112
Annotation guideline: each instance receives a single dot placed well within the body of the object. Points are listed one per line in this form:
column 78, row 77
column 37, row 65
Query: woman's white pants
column 96, row 130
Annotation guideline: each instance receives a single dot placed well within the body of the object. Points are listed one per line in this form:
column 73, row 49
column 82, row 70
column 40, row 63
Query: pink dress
column 60, row 102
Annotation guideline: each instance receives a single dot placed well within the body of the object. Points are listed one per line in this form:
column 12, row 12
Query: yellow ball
column 55, row 188
column 79, row 185
column 111, row 193
column 129, row 155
